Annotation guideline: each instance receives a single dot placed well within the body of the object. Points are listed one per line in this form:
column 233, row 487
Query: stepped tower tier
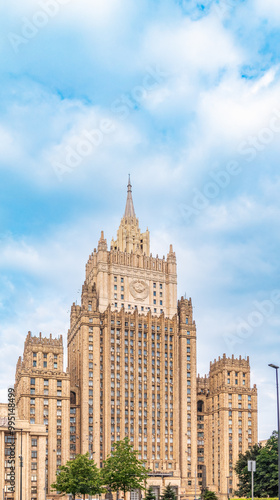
column 127, row 276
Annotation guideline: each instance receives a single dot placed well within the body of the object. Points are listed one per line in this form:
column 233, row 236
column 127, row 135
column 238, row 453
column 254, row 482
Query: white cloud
column 203, row 46
column 268, row 9
column 265, row 80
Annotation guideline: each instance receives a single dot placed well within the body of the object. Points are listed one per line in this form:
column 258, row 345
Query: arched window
column 200, row 406
column 72, row 398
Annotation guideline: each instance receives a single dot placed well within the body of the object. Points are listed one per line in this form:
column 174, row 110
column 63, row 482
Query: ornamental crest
column 3, row 421
column 139, row 289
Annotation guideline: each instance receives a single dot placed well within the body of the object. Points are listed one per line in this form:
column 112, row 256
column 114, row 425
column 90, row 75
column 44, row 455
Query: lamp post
column 278, row 424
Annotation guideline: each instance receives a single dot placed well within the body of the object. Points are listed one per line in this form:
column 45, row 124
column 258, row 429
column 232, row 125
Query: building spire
column 129, row 208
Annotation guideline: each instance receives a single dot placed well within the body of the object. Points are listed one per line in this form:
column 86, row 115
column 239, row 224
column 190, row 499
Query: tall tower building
column 42, row 393
column 132, row 358
column 227, row 422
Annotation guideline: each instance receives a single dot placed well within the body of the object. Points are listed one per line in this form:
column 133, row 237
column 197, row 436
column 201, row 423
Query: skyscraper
column 132, row 373
column 132, row 358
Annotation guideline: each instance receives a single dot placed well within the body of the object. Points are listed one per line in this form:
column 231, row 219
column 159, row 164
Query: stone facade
column 31, row 440
column 227, row 422
column 132, row 358
column 42, row 391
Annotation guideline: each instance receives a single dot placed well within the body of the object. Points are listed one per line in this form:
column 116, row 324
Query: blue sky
column 182, row 95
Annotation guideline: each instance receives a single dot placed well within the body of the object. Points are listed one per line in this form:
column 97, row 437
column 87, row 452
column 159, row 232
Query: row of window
column 122, row 281
column 46, row 382
column 45, row 355
column 45, row 364
column 140, row 326
column 135, row 307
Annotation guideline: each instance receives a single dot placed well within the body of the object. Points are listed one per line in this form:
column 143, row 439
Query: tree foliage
column 168, row 493
column 266, row 475
column 80, row 476
column 122, row 471
column 150, row 494
column 209, row 495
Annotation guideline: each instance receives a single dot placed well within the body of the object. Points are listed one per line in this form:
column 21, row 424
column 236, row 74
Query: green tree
column 209, row 495
column 150, row 494
column 80, row 476
column 122, row 471
column 242, row 471
column 169, row 493
column 266, row 475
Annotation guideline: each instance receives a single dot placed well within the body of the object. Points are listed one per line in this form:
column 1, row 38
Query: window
column 55, row 365
column 46, row 382
column 32, row 381
column 45, row 364
column 34, row 363
column 34, row 354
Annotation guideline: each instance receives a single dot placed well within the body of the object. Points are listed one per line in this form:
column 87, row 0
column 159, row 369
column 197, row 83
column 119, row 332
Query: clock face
column 139, row 289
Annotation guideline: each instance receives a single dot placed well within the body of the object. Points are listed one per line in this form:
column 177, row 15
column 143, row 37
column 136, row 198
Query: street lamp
column 278, row 424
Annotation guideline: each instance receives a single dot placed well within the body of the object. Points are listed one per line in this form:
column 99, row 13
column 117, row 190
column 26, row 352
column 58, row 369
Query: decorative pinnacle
column 129, row 208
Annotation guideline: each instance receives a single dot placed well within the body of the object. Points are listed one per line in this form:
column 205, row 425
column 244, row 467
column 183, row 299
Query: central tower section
column 127, row 276
column 132, row 359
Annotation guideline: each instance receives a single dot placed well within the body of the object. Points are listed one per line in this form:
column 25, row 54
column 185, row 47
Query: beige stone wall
column 31, row 478
column 127, row 280
column 230, row 420
column 133, row 370
column 42, row 391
